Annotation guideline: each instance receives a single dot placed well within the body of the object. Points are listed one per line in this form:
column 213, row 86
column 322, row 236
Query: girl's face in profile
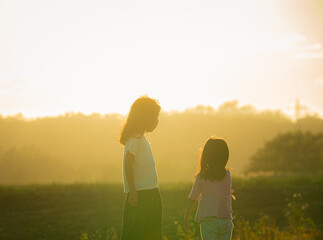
column 154, row 124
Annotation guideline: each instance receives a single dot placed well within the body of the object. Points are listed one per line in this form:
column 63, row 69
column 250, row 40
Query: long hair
column 142, row 115
column 213, row 159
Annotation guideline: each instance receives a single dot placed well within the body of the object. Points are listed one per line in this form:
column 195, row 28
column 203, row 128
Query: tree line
column 77, row 147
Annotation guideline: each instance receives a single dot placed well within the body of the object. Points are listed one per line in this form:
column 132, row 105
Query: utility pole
column 298, row 108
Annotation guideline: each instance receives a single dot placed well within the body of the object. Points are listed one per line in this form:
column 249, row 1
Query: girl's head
column 142, row 117
column 214, row 158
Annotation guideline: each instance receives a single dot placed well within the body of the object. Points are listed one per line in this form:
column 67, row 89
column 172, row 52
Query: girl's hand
column 133, row 198
column 186, row 226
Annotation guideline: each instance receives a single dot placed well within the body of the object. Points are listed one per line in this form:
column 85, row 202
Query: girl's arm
column 189, row 209
column 192, row 199
column 133, row 197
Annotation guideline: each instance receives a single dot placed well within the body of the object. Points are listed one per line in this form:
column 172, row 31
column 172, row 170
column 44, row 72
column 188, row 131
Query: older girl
column 142, row 216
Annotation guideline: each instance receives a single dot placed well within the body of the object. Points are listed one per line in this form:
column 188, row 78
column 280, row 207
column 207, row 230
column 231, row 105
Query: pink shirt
column 214, row 197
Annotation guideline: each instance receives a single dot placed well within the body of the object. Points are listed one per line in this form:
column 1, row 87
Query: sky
column 60, row 56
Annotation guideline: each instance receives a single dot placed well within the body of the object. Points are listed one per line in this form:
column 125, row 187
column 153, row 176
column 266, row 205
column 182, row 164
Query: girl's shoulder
column 132, row 140
column 133, row 144
column 199, row 177
column 228, row 174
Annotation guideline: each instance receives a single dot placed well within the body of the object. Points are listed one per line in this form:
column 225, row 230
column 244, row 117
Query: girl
column 142, row 216
column 213, row 189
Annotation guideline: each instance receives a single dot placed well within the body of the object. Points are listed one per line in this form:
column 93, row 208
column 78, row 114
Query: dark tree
column 293, row 152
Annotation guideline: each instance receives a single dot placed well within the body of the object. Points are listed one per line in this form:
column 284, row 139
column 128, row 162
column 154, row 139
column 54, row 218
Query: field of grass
column 75, row 211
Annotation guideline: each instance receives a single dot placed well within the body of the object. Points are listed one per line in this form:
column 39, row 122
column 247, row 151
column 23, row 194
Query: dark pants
column 143, row 221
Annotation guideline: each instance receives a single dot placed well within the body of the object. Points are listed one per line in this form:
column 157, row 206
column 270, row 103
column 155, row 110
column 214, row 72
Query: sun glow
column 99, row 57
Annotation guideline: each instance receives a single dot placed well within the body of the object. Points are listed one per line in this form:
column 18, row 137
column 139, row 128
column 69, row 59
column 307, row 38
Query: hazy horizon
column 290, row 112
column 87, row 146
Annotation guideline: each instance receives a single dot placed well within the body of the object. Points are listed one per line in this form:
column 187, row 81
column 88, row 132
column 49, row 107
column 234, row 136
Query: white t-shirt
column 144, row 170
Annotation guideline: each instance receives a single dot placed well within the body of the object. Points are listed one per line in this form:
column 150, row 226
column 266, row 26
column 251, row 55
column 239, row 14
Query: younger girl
column 213, row 189
column 142, row 216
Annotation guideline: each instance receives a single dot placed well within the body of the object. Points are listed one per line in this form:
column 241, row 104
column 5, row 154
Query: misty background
column 84, row 148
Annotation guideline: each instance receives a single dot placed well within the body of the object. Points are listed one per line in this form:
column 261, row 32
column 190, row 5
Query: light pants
column 216, row 229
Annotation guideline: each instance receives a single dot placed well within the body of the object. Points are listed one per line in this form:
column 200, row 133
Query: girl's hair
column 142, row 115
column 213, row 159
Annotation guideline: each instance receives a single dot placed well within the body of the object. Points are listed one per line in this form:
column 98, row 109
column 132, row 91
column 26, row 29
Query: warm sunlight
column 161, row 119
column 99, row 56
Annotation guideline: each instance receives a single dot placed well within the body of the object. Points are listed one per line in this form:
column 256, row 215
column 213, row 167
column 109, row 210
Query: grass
column 94, row 211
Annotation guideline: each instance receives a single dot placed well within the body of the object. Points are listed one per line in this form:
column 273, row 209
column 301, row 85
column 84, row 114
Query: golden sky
column 99, row 56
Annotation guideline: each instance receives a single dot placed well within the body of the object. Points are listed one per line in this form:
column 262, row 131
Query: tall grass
column 57, row 211
column 299, row 227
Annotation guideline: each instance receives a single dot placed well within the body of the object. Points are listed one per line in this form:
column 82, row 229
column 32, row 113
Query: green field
column 58, row 211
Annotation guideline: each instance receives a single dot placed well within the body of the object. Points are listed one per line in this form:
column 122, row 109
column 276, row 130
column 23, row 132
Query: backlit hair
column 214, row 159
column 142, row 115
